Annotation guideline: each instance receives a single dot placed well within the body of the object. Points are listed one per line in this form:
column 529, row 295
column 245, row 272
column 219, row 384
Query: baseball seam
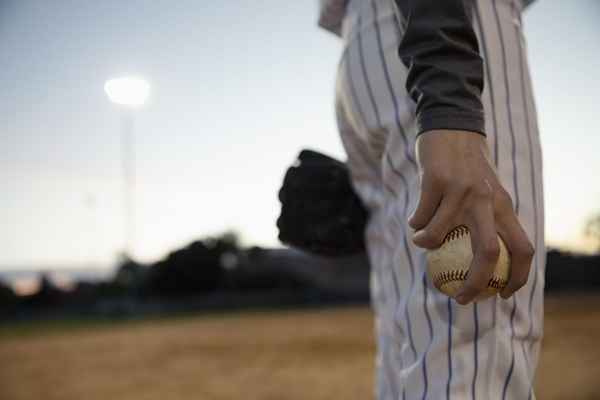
column 453, row 275
column 456, row 233
column 461, row 275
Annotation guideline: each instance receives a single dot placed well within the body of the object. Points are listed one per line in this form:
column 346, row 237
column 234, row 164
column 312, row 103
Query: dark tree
column 197, row 268
column 7, row 296
column 129, row 276
column 48, row 294
column 568, row 271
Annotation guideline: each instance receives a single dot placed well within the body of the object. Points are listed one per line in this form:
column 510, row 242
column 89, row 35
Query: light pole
column 130, row 93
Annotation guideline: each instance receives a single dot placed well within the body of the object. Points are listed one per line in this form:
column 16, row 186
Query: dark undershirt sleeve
column 445, row 70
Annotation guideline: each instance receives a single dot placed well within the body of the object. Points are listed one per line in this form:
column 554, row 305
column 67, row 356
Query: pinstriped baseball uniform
column 430, row 347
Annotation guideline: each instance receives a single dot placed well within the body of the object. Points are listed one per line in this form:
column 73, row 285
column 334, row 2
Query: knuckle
column 502, row 194
column 426, row 239
column 473, row 287
column 506, row 294
column 479, row 286
column 526, row 250
column 519, row 282
column 462, row 186
column 529, row 250
column 436, row 235
column 519, row 279
column 415, row 221
column 490, row 251
column 476, row 283
column 503, row 201
column 481, row 192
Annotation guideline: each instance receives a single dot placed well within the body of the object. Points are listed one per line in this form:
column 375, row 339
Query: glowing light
column 128, row 91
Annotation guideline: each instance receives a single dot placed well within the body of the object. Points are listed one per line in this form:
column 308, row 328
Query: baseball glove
column 320, row 212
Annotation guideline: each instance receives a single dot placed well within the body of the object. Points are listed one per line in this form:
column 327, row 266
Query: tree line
column 219, row 269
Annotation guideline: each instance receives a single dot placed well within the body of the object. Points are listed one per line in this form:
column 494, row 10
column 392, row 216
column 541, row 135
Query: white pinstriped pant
column 429, row 347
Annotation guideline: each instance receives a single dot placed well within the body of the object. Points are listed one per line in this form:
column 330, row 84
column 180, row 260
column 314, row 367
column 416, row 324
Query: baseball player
column 435, row 110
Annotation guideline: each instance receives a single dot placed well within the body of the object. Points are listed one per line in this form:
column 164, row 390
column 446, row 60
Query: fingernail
column 418, row 234
column 417, row 238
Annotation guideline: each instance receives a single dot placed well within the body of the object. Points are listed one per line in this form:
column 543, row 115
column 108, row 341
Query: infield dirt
column 289, row 355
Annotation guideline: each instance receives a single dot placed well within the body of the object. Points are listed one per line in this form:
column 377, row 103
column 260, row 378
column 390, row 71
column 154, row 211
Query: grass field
column 318, row 354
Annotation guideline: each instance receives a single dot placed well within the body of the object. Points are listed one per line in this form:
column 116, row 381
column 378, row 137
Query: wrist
column 451, row 119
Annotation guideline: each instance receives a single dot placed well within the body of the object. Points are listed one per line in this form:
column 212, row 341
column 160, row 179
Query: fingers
column 443, row 221
column 521, row 253
column 429, row 200
column 486, row 249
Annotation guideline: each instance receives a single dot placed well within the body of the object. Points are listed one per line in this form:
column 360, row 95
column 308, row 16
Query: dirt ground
column 283, row 355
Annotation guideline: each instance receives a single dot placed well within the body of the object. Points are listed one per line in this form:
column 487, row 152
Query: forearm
column 445, row 70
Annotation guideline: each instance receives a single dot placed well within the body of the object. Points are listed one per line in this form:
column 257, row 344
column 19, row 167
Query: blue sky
column 238, row 88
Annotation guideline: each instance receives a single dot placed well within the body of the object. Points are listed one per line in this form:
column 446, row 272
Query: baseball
column 448, row 265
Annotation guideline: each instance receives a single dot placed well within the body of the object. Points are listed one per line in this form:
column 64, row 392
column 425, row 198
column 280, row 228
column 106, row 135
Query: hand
column 459, row 186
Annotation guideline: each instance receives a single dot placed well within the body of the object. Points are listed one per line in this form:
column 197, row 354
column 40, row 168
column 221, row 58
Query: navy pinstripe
column 430, row 326
column 488, row 77
column 376, row 112
column 475, row 352
column 360, row 151
column 411, row 159
column 490, row 87
column 534, row 195
column 355, row 98
column 449, row 349
column 388, row 82
column 391, row 385
column 410, row 263
column 413, row 366
column 387, row 186
column 529, row 366
column 398, row 125
column 533, row 180
column 515, row 183
column 513, row 144
column 364, row 72
column 398, row 173
column 512, row 349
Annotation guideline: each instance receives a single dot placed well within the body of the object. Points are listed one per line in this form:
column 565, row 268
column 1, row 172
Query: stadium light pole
column 130, row 94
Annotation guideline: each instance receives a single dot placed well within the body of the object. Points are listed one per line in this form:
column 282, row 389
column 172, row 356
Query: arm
column 445, row 70
column 459, row 184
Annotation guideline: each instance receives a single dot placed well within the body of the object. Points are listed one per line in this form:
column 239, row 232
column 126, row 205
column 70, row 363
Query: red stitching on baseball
column 445, row 277
column 456, row 233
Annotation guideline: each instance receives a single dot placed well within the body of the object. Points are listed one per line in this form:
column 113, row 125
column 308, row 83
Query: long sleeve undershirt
column 445, row 69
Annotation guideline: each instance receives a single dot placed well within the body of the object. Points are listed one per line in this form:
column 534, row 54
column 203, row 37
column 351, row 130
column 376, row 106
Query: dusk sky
column 237, row 89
